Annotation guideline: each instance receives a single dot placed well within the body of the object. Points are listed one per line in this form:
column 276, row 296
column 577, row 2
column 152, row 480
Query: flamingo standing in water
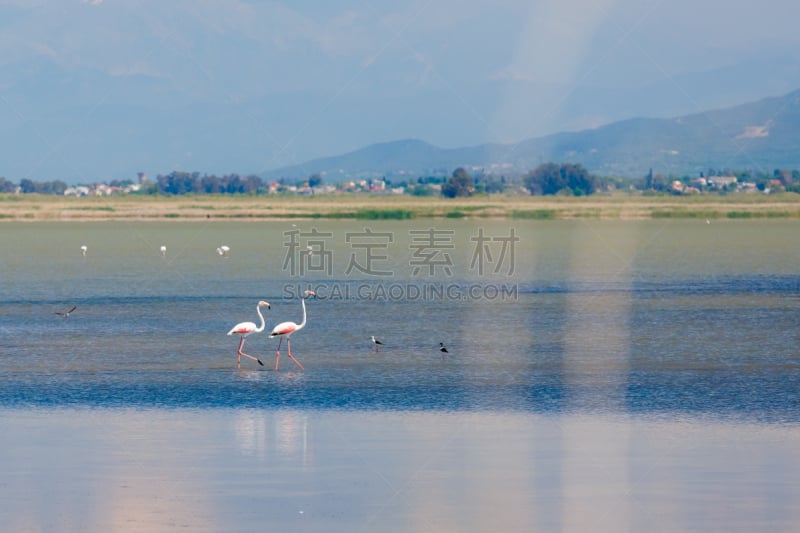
column 244, row 329
column 285, row 329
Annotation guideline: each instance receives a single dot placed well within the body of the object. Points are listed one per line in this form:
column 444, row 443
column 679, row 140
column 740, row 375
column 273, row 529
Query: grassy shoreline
column 373, row 207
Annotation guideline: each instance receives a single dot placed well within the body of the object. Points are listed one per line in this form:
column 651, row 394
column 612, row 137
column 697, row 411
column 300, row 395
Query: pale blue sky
column 100, row 89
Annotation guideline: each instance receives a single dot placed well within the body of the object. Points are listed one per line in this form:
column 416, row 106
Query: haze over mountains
column 760, row 136
column 95, row 90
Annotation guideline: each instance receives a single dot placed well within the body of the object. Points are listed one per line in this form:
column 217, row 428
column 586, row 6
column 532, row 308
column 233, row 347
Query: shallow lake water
column 605, row 375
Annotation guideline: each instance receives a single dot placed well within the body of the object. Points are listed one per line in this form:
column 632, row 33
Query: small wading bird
column 376, row 342
column 84, row 249
column 223, row 250
column 163, row 250
column 443, row 350
column 246, row 328
column 285, row 329
column 65, row 314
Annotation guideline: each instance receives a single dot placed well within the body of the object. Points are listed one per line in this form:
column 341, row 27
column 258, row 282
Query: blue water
column 150, row 331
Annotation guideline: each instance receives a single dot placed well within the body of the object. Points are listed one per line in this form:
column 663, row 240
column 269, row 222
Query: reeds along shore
column 33, row 207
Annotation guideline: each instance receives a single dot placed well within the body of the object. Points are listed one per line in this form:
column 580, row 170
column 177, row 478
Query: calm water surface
column 642, row 317
column 605, row 376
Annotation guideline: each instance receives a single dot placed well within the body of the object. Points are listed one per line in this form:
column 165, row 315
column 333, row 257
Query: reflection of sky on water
column 251, row 432
column 595, row 358
column 596, row 336
column 262, row 435
column 236, row 470
column 620, row 390
column 610, row 316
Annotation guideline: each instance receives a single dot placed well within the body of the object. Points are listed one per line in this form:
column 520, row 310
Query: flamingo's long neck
column 303, row 323
column 261, row 327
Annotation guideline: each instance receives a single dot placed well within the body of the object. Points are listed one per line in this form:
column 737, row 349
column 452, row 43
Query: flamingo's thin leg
column 253, row 358
column 278, row 353
column 239, row 352
column 289, row 351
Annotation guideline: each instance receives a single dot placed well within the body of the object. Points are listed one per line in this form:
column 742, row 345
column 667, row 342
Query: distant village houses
column 104, row 189
column 101, row 189
column 721, row 182
column 716, row 183
column 547, row 178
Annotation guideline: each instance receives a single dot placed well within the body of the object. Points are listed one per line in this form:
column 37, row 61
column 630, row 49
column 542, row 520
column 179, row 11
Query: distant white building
column 677, row 186
column 101, row 189
column 80, row 190
column 720, row 182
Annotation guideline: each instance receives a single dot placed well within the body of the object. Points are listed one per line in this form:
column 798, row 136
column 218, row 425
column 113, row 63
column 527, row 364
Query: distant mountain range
column 760, row 136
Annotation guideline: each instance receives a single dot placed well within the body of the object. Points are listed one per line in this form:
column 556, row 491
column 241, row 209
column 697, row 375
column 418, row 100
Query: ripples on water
column 723, row 345
column 680, row 352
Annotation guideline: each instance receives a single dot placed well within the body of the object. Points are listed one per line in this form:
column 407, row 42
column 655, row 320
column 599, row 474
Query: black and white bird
column 442, row 348
column 65, row 314
column 376, row 342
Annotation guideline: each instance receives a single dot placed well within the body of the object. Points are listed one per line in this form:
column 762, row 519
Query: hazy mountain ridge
column 760, row 135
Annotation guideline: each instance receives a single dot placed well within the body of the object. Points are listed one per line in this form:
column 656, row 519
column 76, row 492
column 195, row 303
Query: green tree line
column 194, row 183
column 546, row 179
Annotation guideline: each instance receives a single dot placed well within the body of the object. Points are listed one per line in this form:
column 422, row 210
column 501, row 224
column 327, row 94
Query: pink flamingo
column 286, row 329
column 246, row 328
